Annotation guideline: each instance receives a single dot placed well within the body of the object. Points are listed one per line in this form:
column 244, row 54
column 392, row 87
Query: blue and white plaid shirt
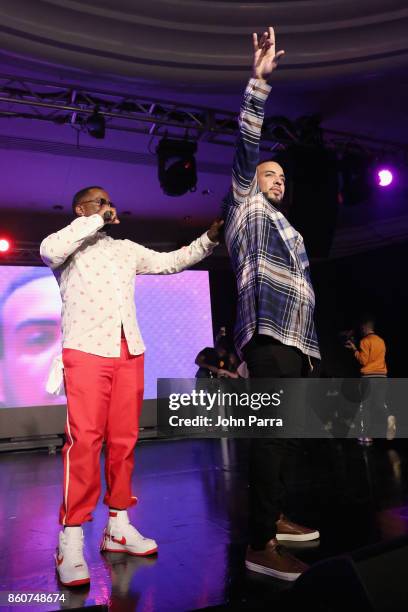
column 275, row 293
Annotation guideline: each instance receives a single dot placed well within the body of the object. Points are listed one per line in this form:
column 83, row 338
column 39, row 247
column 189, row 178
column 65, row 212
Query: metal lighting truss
column 22, row 254
column 72, row 104
column 25, row 253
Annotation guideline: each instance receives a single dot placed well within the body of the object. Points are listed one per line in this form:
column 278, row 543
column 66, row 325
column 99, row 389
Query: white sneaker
column 120, row 536
column 69, row 558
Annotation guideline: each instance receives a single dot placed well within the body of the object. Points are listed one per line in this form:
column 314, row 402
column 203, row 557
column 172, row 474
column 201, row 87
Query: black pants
column 272, row 460
column 374, row 410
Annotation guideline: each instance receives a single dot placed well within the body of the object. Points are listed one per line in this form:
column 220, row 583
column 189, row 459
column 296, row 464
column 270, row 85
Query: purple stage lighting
column 384, row 177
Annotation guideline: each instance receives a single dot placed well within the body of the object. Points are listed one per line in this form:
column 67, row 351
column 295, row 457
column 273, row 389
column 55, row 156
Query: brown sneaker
column 274, row 561
column 286, row 530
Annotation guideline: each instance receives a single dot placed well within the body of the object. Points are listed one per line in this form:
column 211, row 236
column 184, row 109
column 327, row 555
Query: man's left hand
column 214, row 233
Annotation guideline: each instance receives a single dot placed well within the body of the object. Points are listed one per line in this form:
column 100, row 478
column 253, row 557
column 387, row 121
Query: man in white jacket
column 103, row 370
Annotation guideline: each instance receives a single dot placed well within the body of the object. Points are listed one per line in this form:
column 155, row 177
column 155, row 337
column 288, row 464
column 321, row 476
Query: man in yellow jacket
column 371, row 357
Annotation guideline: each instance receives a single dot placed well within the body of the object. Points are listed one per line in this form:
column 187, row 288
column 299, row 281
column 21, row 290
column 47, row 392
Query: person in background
column 218, row 362
column 373, row 369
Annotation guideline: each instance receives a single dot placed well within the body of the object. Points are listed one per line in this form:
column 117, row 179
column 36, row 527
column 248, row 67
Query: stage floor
column 193, row 501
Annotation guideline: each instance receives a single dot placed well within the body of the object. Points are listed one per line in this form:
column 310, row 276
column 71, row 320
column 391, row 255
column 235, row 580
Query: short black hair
column 81, row 193
column 276, row 159
column 24, row 279
column 368, row 318
column 282, row 158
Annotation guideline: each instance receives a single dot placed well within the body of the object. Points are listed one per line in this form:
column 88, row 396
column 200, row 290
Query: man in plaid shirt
column 275, row 332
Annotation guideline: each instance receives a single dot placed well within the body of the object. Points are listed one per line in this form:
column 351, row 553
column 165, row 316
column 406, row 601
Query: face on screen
column 30, row 318
column 31, row 338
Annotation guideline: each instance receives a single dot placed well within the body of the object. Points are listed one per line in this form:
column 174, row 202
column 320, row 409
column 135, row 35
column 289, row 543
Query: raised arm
column 251, row 116
column 148, row 261
column 56, row 248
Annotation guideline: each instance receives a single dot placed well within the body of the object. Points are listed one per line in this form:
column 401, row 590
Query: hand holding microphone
column 108, row 214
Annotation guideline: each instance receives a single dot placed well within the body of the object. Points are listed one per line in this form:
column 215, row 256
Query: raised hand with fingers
column 265, row 57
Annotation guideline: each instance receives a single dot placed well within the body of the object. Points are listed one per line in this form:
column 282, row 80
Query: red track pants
column 104, row 401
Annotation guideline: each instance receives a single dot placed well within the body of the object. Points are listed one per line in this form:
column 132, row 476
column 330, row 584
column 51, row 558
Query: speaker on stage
column 373, row 579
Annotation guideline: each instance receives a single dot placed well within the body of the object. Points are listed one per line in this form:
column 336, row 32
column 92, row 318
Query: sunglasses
column 100, row 201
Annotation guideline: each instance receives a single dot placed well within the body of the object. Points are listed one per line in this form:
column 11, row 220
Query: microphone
column 107, row 216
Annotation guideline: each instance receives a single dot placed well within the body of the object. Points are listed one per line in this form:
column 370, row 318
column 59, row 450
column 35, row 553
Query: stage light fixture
column 95, row 124
column 177, row 169
column 384, row 177
column 4, row 245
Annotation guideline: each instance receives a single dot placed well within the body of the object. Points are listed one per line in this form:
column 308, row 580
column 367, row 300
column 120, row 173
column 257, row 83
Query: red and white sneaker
column 120, row 536
column 70, row 564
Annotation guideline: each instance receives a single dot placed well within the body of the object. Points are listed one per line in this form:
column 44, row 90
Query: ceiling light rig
column 177, row 166
column 364, row 162
column 95, row 124
column 86, row 109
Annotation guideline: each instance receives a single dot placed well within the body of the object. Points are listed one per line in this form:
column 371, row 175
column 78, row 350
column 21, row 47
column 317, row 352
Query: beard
column 277, row 202
column 273, row 199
